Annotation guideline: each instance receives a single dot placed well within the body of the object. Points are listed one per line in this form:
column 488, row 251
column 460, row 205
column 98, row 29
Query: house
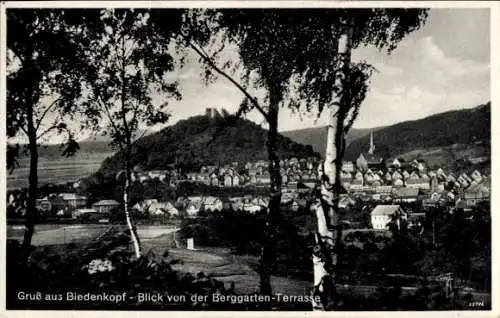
column 388, row 177
column 212, row 204
column 77, row 184
column 203, row 178
column 236, row 179
column 159, row 174
column 466, row 177
column 376, row 183
column 404, row 194
column 310, row 166
column 160, row 208
column 418, row 164
column 214, row 179
column 43, row 204
column 432, row 201
column 80, row 212
column 476, row 176
column 346, row 179
column 144, row 205
column 264, row 178
column 191, row 176
column 228, row 180
column 193, row 208
column 381, row 215
column 397, row 163
column 284, row 178
column 417, row 182
column 473, row 195
column 478, row 160
column 347, row 166
column 253, row 179
column 396, row 175
column 369, row 177
column 397, row 183
column 73, row 200
column 463, row 182
column 356, row 184
column 425, row 176
column 262, row 202
column 286, row 198
column 105, row 205
column 383, row 189
column 345, row 201
column 251, row 208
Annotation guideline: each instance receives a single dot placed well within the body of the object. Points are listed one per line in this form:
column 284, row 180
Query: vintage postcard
column 258, row 156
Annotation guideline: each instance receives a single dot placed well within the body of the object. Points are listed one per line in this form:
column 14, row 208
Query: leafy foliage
column 47, row 48
column 43, row 84
column 51, row 271
column 129, row 64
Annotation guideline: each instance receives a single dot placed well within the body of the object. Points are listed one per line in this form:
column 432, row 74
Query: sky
column 443, row 66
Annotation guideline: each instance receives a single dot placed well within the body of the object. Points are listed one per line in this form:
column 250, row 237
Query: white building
column 381, row 215
column 212, row 204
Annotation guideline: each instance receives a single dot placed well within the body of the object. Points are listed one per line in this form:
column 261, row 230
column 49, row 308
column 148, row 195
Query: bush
column 105, row 266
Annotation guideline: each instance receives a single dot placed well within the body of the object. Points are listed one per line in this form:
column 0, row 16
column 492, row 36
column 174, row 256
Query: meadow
column 58, row 169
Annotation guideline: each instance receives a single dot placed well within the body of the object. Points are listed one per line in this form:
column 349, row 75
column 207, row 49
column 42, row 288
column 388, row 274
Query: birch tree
column 338, row 85
column 129, row 64
column 292, row 55
column 43, row 85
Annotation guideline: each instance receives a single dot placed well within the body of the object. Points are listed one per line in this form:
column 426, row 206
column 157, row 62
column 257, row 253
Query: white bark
column 325, row 238
column 135, row 240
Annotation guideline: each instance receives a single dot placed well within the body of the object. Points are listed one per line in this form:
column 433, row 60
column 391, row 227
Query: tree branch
column 142, row 135
column 24, row 130
column 45, row 113
column 211, row 63
column 46, row 131
column 129, row 52
column 110, row 117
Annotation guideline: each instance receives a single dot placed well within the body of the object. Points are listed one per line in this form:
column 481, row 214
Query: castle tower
column 371, row 150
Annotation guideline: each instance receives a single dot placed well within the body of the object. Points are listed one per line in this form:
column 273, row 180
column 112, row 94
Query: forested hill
column 463, row 127
column 199, row 141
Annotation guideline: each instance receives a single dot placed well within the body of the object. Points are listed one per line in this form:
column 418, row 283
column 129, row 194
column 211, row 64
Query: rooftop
column 385, row 209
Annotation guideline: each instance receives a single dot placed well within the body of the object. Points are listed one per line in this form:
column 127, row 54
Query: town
column 248, row 159
column 371, row 179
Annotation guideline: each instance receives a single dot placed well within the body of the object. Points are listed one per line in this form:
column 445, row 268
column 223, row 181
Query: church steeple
column 372, row 145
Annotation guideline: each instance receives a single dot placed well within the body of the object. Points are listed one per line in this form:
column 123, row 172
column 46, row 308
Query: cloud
column 418, row 80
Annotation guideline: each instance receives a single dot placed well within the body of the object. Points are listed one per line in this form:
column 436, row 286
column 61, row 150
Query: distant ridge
column 316, row 137
column 465, row 127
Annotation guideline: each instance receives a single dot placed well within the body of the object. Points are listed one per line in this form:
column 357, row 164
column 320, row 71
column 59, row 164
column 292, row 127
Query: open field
column 51, row 234
column 57, row 170
column 217, row 263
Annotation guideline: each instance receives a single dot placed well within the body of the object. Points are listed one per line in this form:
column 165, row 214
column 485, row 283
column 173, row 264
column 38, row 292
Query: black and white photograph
column 253, row 156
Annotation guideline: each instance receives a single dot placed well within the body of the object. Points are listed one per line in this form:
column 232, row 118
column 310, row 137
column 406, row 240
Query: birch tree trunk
column 130, row 225
column 329, row 233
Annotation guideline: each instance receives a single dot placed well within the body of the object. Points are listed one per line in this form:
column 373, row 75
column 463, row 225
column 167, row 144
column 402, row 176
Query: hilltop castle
column 212, row 113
